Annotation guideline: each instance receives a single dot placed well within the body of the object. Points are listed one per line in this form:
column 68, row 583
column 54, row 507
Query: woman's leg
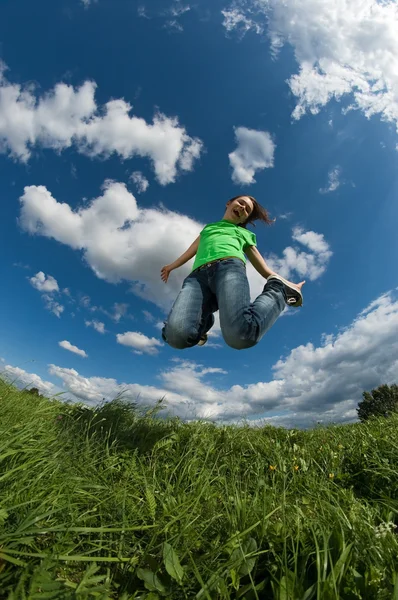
column 191, row 314
column 243, row 323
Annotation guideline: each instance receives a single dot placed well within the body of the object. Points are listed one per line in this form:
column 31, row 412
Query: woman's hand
column 165, row 272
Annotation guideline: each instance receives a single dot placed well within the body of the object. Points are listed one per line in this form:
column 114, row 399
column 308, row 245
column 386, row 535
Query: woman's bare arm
column 181, row 260
column 258, row 262
column 188, row 254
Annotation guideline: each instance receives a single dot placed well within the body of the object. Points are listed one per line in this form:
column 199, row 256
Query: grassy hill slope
column 114, row 503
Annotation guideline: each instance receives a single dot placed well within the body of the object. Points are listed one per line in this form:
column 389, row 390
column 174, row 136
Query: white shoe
column 294, row 297
column 202, row 340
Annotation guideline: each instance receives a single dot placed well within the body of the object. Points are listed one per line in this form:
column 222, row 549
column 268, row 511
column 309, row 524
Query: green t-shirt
column 220, row 239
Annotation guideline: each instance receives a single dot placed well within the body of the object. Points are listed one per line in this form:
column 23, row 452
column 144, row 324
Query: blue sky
column 124, row 129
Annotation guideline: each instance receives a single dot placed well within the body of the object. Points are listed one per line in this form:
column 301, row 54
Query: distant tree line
column 35, row 392
column 380, row 402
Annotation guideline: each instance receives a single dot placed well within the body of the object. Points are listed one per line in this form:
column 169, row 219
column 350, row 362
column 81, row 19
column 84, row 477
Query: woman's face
column 239, row 210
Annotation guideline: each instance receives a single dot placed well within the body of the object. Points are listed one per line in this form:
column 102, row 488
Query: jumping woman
column 218, row 281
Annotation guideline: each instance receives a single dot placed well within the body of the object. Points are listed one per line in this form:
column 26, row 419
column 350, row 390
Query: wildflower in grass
column 296, row 467
column 384, row 528
column 331, row 475
column 272, row 467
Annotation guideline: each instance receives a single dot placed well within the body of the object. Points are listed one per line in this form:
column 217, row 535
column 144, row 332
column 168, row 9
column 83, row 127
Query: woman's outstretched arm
column 258, row 262
column 261, row 266
column 181, row 260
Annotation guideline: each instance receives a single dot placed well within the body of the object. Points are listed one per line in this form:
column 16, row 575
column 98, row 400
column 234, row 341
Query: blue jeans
column 223, row 286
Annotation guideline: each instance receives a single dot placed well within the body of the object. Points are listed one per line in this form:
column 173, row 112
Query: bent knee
column 239, row 343
column 179, row 337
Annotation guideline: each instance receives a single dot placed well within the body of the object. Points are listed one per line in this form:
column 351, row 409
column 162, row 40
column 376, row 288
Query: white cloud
column 85, row 301
column 345, row 47
column 173, row 24
column 119, row 311
column 119, row 240
column 362, row 356
column 285, row 215
column 140, row 181
column 23, row 379
column 139, row 341
column 255, row 151
column 312, row 383
column 68, row 346
column 93, row 389
column 65, row 117
column 187, row 377
column 306, row 264
column 44, row 283
column 323, row 383
column 148, row 316
column 177, row 9
column 141, row 10
column 295, row 263
column 47, row 286
column 97, row 325
column 235, row 19
column 333, row 181
column 52, row 305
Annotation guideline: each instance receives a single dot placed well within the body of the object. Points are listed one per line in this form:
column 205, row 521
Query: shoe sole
column 291, row 292
column 202, row 341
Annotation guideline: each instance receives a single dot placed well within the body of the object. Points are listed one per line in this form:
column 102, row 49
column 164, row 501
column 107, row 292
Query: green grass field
column 117, row 503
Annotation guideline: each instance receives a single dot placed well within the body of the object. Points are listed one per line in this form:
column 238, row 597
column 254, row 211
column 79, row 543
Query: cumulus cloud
column 312, row 383
column 48, row 287
column 67, row 116
column 333, row 181
column 23, row 379
column 44, row 283
column 187, row 376
column 346, row 47
column 140, row 181
column 310, row 263
column 97, row 325
column 139, row 341
column 68, row 346
column 307, row 259
column 254, row 152
column 119, row 240
column 94, row 389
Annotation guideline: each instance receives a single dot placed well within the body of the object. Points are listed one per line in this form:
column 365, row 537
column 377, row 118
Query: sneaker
column 209, row 324
column 293, row 295
column 202, row 340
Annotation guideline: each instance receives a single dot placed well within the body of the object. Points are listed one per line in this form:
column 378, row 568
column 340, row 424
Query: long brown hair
column 259, row 213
